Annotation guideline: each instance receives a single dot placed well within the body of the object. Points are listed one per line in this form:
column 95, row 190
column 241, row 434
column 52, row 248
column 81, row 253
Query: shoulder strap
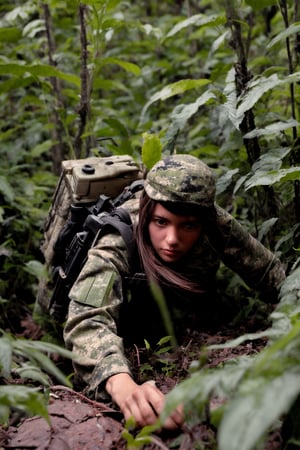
column 104, row 217
column 128, row 192
column 119, row 220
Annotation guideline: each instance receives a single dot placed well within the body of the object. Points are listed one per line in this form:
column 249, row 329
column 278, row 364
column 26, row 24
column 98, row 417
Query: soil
column 77, row 422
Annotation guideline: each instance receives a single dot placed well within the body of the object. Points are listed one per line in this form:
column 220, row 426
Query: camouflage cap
column 181, row 178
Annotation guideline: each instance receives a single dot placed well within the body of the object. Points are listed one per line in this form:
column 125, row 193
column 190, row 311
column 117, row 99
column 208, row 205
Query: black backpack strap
column 102, row 218
column 128, row 192
column 119, row 220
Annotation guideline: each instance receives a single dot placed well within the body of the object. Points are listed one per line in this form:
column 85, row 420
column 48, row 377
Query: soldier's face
column 172, row 236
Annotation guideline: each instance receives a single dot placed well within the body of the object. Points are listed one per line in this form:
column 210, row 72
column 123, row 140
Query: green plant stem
column 295, row 151
column 58, row 151
column 243, row 76
column 83, row 109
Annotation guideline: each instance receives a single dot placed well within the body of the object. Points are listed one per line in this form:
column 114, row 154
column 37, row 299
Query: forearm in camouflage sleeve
column 244, row 254
column 91, row 328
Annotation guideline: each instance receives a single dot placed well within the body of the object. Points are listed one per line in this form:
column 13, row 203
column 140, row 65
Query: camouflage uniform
column 97, row 296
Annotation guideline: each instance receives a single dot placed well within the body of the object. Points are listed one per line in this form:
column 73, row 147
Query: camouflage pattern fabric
column 181, row 178
column 97, row 296
column 96, row 299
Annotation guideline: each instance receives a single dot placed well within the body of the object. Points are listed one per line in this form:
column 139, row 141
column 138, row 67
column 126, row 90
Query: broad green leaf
column 44, row 70
column 255, row 91
column 236, row 107
column 268, row 361
column 260, row 4
column 151, row 149
column 5, row 356
column 34, row 27
column 27, row 399
column 265, row 227
column 198, row 20
column 108, row 4
column 47, row 347
column 10, row 133
column 16, row 83
column 287, row 240
column 6, row 250
column 256, row 409
column 182, row 113
column 271, row 129
column 6, row 189
column 218, row 42
column 195, row 391
column 179, row 87
column 291, row 30
column 37, row 269
column 272, row 160
column 117, row 125
column 111, row 24
column 45, row 363
column 12, row 69
column 37, row 70
column 41, row 148
column 241, row 339
column 11, row 34
column 94, row 2
column 260, row 86
column 107, row 85
column 230, row 105
column 225, row 181
column 149, row 29
column 33, row 373
column 22, row 12
column 129, row 67
column 36, row 102
column 164, row 340
column 146, row 432
column 261, row 178
column 292, row 283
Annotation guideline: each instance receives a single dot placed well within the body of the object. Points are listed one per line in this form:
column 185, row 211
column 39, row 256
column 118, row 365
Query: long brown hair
column 155, row 269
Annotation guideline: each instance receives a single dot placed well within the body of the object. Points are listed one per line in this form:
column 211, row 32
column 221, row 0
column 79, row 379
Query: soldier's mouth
column 170, row 253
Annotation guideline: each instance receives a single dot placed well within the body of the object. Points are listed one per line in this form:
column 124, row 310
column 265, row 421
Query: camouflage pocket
column 94, row 291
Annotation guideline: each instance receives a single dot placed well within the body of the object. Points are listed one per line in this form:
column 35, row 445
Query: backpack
column 86, row 205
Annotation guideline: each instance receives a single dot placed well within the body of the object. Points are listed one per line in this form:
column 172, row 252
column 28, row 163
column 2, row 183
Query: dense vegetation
column 218, row 80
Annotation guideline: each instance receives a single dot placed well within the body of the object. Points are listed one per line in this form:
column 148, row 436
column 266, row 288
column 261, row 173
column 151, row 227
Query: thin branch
column 83, row 109
column 242, row 78
column 296, row 144
column 284, row 12
column 58, row 150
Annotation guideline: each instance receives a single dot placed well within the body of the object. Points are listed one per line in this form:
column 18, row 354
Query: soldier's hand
column 142, row 402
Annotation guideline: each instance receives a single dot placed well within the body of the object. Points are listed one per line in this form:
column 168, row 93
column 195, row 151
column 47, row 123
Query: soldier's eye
column 159, row 221
column 191, row 225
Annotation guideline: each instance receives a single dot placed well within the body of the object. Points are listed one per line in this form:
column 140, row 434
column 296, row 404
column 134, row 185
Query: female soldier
column 181, row 236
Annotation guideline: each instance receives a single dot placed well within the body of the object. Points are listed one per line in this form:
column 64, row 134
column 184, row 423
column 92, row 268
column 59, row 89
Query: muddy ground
column 79, row 423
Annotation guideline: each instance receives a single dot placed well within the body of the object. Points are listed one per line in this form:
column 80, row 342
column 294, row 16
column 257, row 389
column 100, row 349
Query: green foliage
column 26, row 360
column 23, row 398
column 159, row 356
column 249, row 385
column 179, row 87
column 139, row 439
column 151, row 150
column 218, row 80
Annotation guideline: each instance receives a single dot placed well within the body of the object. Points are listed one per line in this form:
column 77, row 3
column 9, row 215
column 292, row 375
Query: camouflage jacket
column 97, row 296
